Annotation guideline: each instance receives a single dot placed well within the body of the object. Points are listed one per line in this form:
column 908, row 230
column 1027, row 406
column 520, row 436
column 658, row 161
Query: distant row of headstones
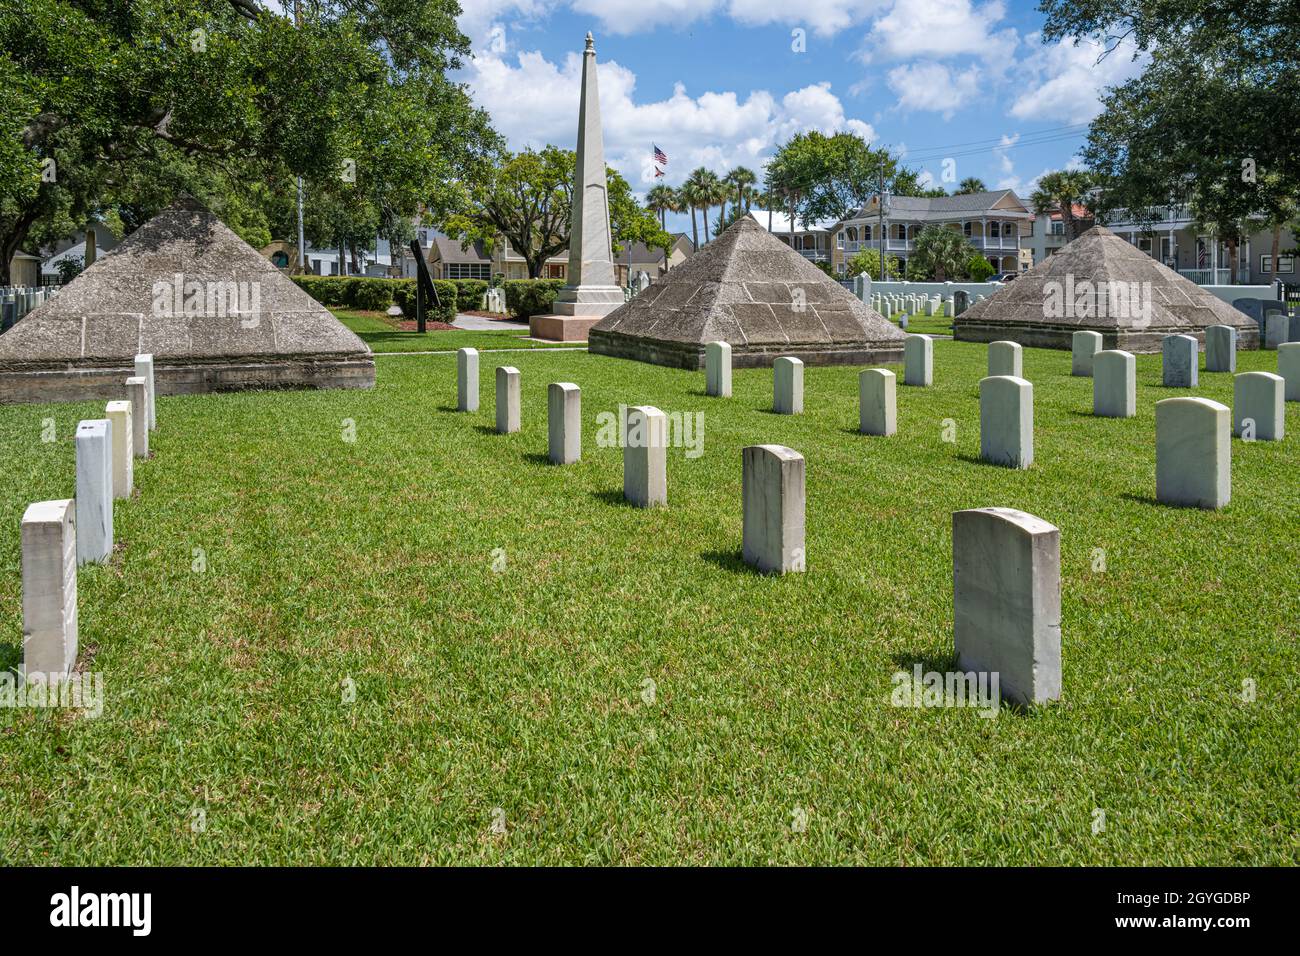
column 59, row 536
column 997, row 628
column 17, row 301
column 912, row 303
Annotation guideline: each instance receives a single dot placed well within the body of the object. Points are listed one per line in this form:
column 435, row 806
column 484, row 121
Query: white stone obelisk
column 591, row 291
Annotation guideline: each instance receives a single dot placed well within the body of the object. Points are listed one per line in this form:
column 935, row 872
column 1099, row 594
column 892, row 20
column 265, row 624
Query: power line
column 976, row 142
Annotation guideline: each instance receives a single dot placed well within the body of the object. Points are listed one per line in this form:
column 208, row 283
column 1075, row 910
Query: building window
column 1058, row 227
column 866, row 233
column 554, row 270
column 993, row 229
column 467, row 270
column 966, row 229
column 1285, row 264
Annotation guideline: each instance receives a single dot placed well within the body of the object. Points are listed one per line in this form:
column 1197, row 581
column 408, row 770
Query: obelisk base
column 576, row 311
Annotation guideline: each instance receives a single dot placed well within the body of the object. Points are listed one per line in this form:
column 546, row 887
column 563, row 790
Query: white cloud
column 533, row 102
column 934, row 87
column 935, row 29
column 823, row 17
column 1066, row 80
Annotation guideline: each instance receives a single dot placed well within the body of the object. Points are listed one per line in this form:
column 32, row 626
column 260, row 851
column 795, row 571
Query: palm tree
column 660, row 200
column 940, row 252
column 695, row 193
column 971, row 184
column 704, row 187
column 1062, row 190
column 741, row 179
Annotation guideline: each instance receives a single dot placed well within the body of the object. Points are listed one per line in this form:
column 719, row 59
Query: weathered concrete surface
column 94, row 443
column 645, row 457
column 1007, row 421
column 1193, row 453
column 918, row 361
column 1033, row 310
column 1221, row 349
column 1006, row 573
column 507, row 409
column 877, row 402
column 564, row 423
column 119, row 413
column 467, row 380
column 1114, row 384
column 137, row 392
column 1006, row 358
column 1258, row 398
column 1288, row 366
column 83, row 342
column 1180, row 362
column 787, row 386
column 49, row 545
column 1083, row 346
column 749, row 289
column 717, row 369
column 772, row 503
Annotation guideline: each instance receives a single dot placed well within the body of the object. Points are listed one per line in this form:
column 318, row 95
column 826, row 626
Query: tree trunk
column 769, row 215
column 722, row 213
column 704, row 213
column 1232, row 261
column 695, row 232
column 1276, row 250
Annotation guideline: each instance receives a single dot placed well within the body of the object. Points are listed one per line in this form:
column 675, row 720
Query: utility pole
column 880, row 229
column 302, row 261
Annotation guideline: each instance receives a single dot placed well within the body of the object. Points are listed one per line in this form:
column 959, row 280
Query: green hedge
column 376, row 295
column 469, row 294
column 528, row 297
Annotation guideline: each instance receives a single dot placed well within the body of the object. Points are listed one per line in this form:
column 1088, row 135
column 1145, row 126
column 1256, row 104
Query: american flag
column 661, row 156
column 658, row 173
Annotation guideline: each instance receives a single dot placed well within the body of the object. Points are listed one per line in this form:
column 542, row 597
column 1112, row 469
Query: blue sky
column 720, row 83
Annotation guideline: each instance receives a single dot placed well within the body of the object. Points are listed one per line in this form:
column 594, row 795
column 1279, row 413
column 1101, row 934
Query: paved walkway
column 535, row 351
column 476, row 323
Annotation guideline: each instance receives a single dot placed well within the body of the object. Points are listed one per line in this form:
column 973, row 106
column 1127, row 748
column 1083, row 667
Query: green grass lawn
column 382, row 335
column 518, row 695
column 922, row 324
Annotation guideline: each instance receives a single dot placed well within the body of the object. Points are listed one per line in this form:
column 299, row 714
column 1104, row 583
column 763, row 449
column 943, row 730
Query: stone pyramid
column 1144, row 301
column 752, row 291
column 215, row 314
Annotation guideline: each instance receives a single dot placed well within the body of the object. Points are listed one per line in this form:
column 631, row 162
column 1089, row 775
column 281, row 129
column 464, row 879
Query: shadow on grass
column 446, row 407
column 612, row 497
column 929, row 660
column 11, row 657
column 487, row 429
column 733, row 561
column 1153, row 500
column 977, row 460
column 537, row 458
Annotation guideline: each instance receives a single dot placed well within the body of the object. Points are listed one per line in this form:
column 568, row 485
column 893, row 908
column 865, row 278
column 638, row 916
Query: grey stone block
column 49, row 543
column 1221, row 349
column 137, row 391
column 918, row 361
column 1258, row 398
column 94, row 442
column 1277, row 328
column 773, row 506
column 717, row 369
column 119, row 413
column 645, row 457
column 877, row 402
column 787, row 386
column 1006, row 358
column 1179, row 362
column 1288, row 366
column 564, row 423
column 144, row 370
column 1114, row 384
column 467, row 380
column 507, row 399
column 1083, row 347
column 1193, row 453
column 1007, row 421
column 1006, row 572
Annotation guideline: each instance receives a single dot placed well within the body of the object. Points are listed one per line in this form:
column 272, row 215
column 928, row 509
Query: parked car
column 1005, row 277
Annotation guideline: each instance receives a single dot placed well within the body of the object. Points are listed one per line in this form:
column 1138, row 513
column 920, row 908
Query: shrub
column 979, row 269
column 529, row 297
column 469, row 294
column 373, row 296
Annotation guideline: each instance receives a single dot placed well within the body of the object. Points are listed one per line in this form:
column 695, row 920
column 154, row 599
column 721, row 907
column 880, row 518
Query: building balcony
column 1215, row 276
column 816, row 255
